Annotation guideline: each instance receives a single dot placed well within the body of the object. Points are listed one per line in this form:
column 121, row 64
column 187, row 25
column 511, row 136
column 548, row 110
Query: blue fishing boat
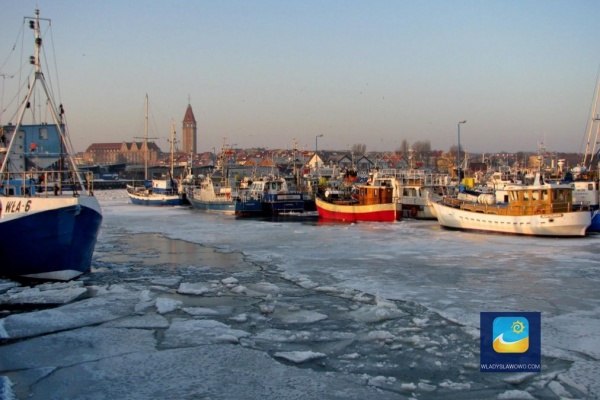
column 269, row 196
column 158, row 192
column 162, row 191
column 49, row 217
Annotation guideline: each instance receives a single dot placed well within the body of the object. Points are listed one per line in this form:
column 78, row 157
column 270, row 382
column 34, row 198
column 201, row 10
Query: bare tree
column 421, row 147
column 403, row 149
column 359, row 148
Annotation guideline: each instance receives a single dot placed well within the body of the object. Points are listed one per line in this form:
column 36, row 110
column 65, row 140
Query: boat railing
column 415, row 177
column 514, row 209
column 44, row 183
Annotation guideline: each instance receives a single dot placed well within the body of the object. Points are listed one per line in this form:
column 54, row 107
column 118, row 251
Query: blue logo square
column 510, row 342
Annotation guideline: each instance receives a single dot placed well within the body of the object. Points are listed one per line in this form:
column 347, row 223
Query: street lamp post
column 316, row 155
column 458, row 154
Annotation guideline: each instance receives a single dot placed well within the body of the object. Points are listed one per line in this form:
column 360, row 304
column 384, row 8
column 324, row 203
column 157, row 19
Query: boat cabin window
column 526, row 195
column 545, row 195
column 535, row 195
column 275, row 185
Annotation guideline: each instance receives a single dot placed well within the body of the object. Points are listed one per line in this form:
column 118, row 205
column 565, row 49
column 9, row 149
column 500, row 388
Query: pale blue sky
column 262, row 73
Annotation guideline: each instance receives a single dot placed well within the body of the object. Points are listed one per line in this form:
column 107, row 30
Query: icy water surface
column 183, row 305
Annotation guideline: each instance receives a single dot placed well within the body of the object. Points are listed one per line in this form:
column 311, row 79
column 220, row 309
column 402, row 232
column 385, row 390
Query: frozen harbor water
column 185, row 305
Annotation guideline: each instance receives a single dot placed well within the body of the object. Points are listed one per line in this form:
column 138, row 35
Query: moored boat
column 585, row 194
column 158, row 192
column 162, row 191
column 213, row 198
column 367, row 203
column 269, row 196
column 49, row 217
column 537, row 209
column 216, row 192
column 415, row 189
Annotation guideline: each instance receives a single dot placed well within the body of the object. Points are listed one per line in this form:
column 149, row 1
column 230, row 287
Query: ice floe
column 299, row 357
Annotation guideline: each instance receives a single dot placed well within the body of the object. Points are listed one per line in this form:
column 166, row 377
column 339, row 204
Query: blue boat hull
column 276, row 203
column 268, row 207
column 280, row 207
column 225, row 207
column 147, row 195
column 149, row 201
column 248, row 208
column 56, row 244
column 595, row 225
column 309, row 205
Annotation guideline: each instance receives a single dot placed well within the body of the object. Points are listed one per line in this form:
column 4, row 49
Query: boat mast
column 56, row 113
column 146, row 139
column 172, row 145
column 33, row 24
column 224, row 162
column 594, row 118
column 295, row 169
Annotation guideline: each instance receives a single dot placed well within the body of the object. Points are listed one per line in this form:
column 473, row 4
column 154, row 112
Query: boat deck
column 512, row 209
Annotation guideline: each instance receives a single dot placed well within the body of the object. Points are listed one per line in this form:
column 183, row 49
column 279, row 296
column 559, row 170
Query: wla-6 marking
column 13, row 207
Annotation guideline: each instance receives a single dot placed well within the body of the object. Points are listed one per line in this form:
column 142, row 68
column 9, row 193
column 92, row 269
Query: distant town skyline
column 266, row 73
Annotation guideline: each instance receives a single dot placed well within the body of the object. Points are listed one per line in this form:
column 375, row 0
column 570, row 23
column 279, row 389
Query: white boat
column 586, row 194
column 212, row 197
column 49, row 217
column 539, row 209
column 217, row 192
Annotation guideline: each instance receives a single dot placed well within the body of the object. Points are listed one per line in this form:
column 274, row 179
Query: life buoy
column 413, row 211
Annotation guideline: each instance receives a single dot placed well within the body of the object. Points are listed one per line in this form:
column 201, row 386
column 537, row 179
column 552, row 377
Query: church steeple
column 189, row 131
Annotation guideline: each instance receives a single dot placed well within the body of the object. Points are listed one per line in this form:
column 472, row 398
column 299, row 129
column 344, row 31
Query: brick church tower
column 189, row 131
